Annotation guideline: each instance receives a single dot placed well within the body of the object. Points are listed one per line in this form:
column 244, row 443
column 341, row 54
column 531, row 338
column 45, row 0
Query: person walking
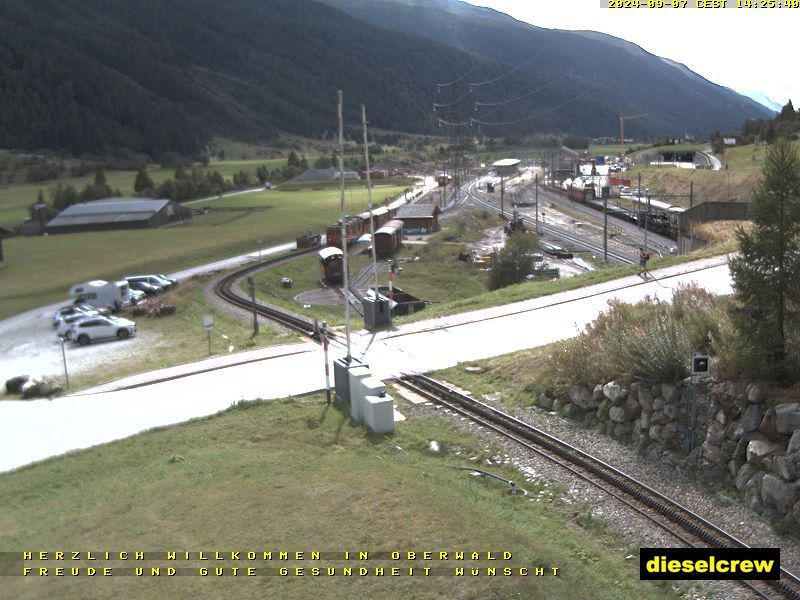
column 643, row 258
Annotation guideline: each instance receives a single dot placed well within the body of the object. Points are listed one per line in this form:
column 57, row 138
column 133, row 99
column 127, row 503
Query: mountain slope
column 85, row 75
column 614, row 76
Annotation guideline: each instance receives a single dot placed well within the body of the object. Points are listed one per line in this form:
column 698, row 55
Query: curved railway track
column 225, row 288
column 689, row 528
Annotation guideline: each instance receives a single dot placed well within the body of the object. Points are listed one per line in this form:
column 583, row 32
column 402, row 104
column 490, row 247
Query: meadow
column 297, row 476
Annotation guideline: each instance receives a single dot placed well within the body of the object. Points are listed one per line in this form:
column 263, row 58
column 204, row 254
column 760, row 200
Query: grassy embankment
column 298, row 477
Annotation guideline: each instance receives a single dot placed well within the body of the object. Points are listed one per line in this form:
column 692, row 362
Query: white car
column 75, row 309
column 89, row 330
column 68, row 321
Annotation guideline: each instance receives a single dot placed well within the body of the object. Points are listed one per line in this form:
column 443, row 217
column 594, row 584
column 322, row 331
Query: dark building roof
column 417, row 211
column 110, row 210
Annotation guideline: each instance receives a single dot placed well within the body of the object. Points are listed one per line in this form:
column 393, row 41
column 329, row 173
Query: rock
column 14, row 385
column 712, row 454
column 658, row 404
column 787, row 417
column 670, row 431
column 644, row 419
column 433, row 446
column 558, row 403
column 740, row 452
column 721, row 417
column 768, row 425
column 715, row 432
column 752, row 492
column 597, row 393
column 632, row 407
column 581, row 397
column 758, row 450
column 749, row 422
column 545, row 401
column 746, row 471
column 794, row 442
column 40, row 388
column 733, row 467
column 659, row 418
column 669, row 392
column 755, row 393
column 569, row 410
column 796, row 512
column 654, row 433
column 645, row 398
column 671, row 410
column 777, row 493
column 623, row 430
column 625, row 413
column 788, row 466
column 615, row 392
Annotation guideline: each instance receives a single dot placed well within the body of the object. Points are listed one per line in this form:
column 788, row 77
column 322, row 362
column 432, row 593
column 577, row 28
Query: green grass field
column 296, row 476
column 40, row 270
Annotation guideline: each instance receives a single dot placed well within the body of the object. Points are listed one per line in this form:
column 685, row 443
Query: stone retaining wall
column 744, row 435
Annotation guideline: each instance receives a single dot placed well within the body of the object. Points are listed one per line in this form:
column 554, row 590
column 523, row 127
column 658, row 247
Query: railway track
column 556, row 232
column 689, row 528
column 225, row 289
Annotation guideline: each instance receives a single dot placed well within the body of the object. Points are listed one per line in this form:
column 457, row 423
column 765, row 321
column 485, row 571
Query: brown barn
column 419, row 218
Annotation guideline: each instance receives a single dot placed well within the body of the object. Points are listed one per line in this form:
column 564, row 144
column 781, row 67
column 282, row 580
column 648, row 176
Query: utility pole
column 605, row 228
column 344, row 227
column 622, row 119
column 536, row 200
column 252, row 283
column 646, row 218
column 369, row 200
column 324, row 336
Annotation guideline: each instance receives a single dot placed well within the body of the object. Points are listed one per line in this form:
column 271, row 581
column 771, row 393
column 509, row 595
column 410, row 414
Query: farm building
column 419, row 218
column 119, row 213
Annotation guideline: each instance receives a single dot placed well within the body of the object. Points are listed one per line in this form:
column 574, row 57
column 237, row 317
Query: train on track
column 661, row 218
column 331, row 264
column 358, row 225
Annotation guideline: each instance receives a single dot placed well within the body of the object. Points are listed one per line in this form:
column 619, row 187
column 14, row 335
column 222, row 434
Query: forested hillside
column 168, row 75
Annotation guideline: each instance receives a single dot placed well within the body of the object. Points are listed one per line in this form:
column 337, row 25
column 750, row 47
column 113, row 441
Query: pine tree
column 143, row 183
column 766, row 271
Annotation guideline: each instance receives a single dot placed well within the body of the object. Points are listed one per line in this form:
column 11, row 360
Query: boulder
column 788, row 466
column 671, row 410
column 794, row 442
column 787, row 417
column 581, row 397
column 715, row 432
column 670, row 431
column 658, row 404
column 645, row 397
column 758, row 450
column 615, row 392
column 755, row 393
column 14, row 385
column 746, row 471
column 669, row 392
column 545, row 401
column 721, row 417
column 597, row 393
column 740, row 452
column 39, row 388
column 778, row 493
column 748, row 423
column 659, row 418
column 768, row 424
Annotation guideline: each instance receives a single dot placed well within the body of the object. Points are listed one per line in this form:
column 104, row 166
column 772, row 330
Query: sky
column 746, row 49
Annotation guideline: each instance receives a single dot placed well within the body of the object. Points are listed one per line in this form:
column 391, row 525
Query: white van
column 117, row 295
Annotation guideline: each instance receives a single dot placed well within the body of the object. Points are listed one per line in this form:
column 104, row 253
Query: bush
column 651, row 340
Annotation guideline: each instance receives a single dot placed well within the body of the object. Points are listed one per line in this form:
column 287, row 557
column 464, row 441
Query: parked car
column 89, row 330
column 65, row 311
column 137, row 296
column 146, row 288
column 151, row 279
column 172, row 280
column 66, row 323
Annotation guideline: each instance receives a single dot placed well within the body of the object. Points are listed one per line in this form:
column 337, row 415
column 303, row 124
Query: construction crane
column 622, row 119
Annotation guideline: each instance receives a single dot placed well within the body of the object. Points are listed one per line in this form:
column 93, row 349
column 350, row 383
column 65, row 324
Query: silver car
column 89, row 330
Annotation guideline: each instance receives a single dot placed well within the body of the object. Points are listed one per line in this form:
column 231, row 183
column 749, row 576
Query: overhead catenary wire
column 526, row 95
column 531, row 117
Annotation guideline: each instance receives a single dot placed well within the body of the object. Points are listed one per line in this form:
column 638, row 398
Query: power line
column 531, row 117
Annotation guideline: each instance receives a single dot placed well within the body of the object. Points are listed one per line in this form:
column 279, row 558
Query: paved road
column 34, row 430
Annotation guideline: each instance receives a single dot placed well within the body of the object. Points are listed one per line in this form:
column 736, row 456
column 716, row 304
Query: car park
column 86, row 331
